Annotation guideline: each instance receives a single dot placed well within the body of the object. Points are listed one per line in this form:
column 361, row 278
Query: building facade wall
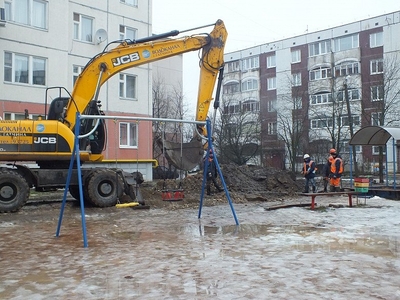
column 358, row 80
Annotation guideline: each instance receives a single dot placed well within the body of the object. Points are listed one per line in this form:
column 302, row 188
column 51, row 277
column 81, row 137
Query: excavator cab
column 95, row 142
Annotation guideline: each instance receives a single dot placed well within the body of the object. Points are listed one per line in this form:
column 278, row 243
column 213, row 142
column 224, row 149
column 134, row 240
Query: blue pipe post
column 75, row 152
column 351, row 165
column 394, row 164
column 209, row 138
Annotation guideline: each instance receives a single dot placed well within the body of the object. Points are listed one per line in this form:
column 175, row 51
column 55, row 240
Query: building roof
column 375, row 135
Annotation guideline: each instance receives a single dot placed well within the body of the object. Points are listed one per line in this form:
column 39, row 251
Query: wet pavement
column 294, row 253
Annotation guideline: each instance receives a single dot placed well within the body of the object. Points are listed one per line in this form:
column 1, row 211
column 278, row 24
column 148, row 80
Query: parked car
column 162, row 172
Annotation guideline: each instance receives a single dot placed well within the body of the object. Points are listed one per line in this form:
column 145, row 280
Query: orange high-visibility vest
column 333, row 166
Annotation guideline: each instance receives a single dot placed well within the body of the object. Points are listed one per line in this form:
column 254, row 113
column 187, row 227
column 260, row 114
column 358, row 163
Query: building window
column 29, row 12
column 271, row 83
column 271, row 61
column 297, row 103
column 232, row 109
column 347, row 68
column 296, row 56
column 127, row 33
column 19, row 116
column 321, row 98
column 377, row 93
column 19, row 68
column 231, row 88
column 249, row 85
column 376, row 119
column 375, row 150
column 296, row 79
column 346, row 42
column 320, row 73
column 376, row 39
column 233, row 66
column 128, row 133
column 271, row 105
column 344, row 120
column 376, row 66
column 76, row 71
column 130, row 2
column 319, row 48
column 321, row 123
column 127, row 86
column 272, row 128
column 345, row 147
column 251, row 106
column 83, row 28
column 353, row 94
column 250, row 63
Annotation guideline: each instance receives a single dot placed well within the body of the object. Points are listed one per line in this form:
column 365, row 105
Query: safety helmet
column 306, row 156
column 332, row 151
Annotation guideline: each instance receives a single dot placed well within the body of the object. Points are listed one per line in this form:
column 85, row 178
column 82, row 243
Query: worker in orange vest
column 309, row 173
column 336, row 170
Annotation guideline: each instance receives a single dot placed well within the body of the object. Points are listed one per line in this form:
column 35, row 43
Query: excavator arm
column 131, row 54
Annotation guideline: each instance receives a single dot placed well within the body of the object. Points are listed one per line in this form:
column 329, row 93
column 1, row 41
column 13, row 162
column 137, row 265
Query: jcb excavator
column 50, row 141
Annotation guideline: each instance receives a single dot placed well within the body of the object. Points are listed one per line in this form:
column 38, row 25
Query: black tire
column 74, row 191
column 14, row 191
column 103, row 188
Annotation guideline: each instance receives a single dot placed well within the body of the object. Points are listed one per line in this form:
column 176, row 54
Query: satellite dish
column 100, row 36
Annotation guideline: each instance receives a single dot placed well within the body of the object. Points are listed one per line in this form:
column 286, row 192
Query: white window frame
column 11, row 70
column 297, row 102
column 376, row 39
column 19, row 116
column 376, row 66
column 79, row 28
column 272, row 128
column 231, row 88
column 375, row 118
column 354, row 94
column 321, row 98
column 76, row 71
column 296, row 56
column 133, row 3
column 375, row 150
column 296, row 79
column 271, row 61
column 127, row 33
column 319, row 48
column 320, row 73
column 344, row 120
column 250, row 63
column 251, row 106
column 321, row 123
column 128, row 135
column 249, row 85
column 377, row 93
column 271, row 83
column 34, row 16
column 347, row 68
column 123, row 85
column 271, row 105
column 233, row 66
column 345, row 147
column 346, row 42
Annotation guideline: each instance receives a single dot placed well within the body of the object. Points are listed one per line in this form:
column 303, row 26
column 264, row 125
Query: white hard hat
column 306, row 156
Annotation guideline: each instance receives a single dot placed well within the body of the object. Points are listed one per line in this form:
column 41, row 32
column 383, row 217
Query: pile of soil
column 244, row 183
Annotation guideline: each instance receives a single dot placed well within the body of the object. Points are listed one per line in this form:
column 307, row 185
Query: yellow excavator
column 49, row 141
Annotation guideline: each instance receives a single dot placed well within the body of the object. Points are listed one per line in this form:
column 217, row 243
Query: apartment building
column 311, row 87
column 48, row 43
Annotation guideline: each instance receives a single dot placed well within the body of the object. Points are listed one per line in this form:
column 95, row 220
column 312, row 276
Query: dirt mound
column 244, row 183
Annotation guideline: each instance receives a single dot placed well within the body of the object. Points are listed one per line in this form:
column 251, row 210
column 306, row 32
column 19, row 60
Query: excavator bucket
column 190, row 156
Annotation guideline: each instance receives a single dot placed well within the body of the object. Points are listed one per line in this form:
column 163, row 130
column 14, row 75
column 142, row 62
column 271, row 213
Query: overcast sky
column 256, row 22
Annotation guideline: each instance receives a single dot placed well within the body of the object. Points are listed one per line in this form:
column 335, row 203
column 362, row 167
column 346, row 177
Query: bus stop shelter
column 378, row 136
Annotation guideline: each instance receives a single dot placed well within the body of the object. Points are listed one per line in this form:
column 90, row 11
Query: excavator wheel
column 14, row 191
column 103, row 188
column 74, row 191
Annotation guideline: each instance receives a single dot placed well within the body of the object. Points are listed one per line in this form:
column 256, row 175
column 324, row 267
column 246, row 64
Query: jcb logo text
column 125, row 59
column 44, row 140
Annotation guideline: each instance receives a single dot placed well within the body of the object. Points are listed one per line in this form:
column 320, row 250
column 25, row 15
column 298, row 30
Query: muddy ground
column 168, row 252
